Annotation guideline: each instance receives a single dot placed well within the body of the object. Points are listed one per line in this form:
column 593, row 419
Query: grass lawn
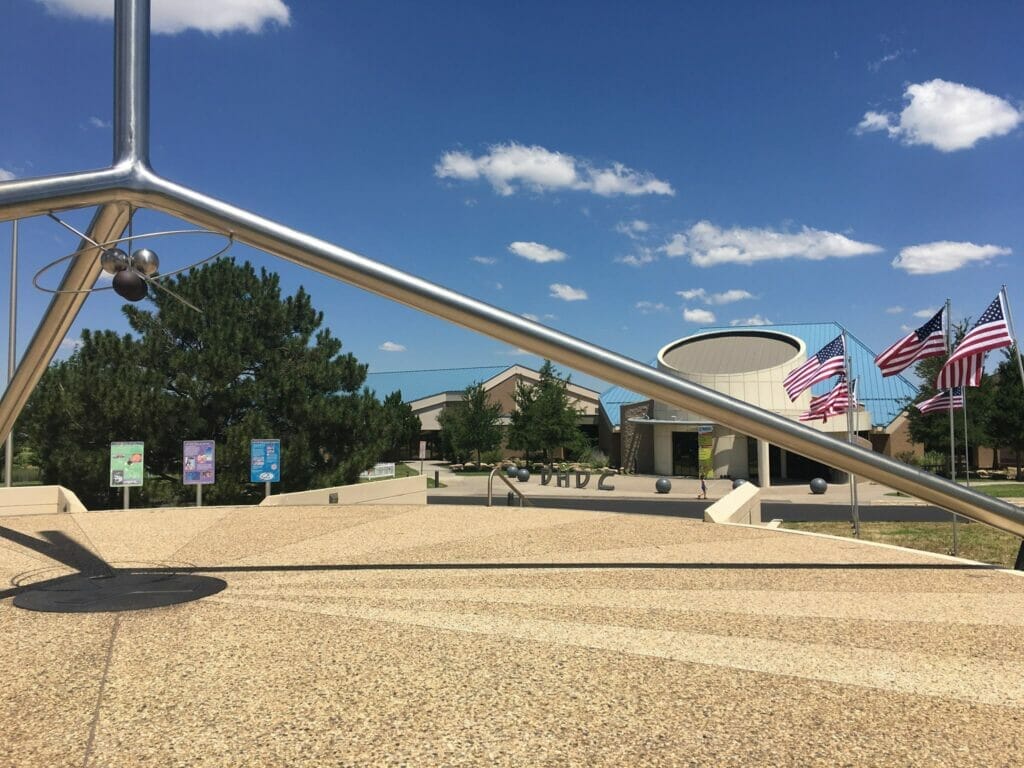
column 998, row 490
column 977, row 541
column 404, row 470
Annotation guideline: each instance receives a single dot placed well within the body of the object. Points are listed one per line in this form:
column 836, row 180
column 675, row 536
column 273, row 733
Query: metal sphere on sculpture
column 738, row 482
column 113, row 260
column 818, row 486
column 128, row 284
column 512, row 472
column 146, row 261
column 663, row 485
column 523, row 475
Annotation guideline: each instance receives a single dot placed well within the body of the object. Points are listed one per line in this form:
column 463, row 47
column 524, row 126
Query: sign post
column 265, row 462
column 126, row 466
column 423, row 453
column 197, row 465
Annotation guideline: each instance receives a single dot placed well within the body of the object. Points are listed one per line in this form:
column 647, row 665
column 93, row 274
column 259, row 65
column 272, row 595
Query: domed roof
column 731, row 352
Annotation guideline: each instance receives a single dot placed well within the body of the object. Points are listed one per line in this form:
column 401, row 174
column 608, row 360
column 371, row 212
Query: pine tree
column 254, row 364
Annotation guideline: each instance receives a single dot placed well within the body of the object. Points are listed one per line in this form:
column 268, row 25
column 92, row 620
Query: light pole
column 11, row 334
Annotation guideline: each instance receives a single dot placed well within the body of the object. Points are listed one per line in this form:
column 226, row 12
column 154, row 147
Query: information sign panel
column 197, row 462
column 265, row 461
column 126, row 463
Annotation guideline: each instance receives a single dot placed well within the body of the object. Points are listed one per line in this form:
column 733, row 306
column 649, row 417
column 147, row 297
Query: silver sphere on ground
column 512, row 472
column 113, row 260
column 145, row 261
column 523, row 475
column 818, row 486
column 663, row 485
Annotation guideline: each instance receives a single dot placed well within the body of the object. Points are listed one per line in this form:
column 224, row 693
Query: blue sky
column 627, row 173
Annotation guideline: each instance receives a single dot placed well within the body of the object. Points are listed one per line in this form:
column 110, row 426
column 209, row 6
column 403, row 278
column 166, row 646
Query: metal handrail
column 490, row 485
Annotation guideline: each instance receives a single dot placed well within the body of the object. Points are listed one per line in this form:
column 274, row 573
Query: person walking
column 703, row 487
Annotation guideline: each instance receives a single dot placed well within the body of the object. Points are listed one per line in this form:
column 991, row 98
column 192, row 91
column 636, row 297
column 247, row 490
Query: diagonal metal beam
column 108, row 224
column 339, row 263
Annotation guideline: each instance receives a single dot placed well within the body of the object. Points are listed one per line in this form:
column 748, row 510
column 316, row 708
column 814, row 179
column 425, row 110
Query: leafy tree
column 545, row 418
column 1006, row 417
column 253, row 364
column 401, row 427
column 472, row 425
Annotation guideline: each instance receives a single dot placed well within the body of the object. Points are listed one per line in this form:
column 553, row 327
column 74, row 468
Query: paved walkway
column 472, row 636
column 642, row 486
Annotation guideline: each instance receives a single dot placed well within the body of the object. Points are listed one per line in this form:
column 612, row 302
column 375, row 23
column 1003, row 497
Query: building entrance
column 684, row 454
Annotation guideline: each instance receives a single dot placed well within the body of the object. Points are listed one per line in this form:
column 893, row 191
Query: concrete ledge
column 39, row 500
column 401, row 490
column 740, row 505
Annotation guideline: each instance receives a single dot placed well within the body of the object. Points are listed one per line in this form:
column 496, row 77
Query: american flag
column 942, row 401
column 834, row 403
column 927, row 341
column 829, row 362
column 966, row 364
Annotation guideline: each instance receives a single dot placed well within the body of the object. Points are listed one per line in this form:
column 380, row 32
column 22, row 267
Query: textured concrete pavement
column 471, row 636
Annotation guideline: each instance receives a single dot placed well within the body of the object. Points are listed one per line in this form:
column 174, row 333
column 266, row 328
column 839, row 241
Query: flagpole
column 952, row 432
column 854, row 511
column 11, row 352
column 967, row 455
column 1013, row 332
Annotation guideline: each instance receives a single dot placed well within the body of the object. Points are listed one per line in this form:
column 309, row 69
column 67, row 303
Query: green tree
column 1006, row 417
column 253, row 364
column 401, row 427
column 472, row 425
column 932, row 429
column 545, row 418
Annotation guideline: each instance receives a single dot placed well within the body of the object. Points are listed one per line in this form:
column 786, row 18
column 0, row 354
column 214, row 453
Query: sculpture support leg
column 108, row 224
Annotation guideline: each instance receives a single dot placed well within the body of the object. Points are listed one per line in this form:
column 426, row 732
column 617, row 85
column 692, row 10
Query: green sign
column 126, row 465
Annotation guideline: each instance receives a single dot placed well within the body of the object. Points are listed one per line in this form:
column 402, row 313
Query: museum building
column 750, row 364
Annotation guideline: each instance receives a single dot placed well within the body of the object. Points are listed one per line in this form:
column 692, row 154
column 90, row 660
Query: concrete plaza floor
column 471, row 636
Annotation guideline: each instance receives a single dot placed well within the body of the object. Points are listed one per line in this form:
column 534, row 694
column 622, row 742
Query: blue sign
column 264, row 461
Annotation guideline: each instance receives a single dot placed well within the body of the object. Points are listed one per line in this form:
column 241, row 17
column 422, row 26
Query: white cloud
column 925, row 313
column 639, row 258
column 98, row 122
column 173, row 16
column 488, row 260
column 70, row 344
column 650, row 307
column 499, row 286
column 542, row 254
column 893, row 310
column 725, row 297
column 693, row 293
column 390, row 346
column 567, row 292
column 730, row 296
column 876, row 65
column 6, row 175
column 549, row 316
column 755, row 320
column 708, row 245
column 633, row 229
column 947, row 116
column 944, row 256
column 698, row 316
column 509, row 166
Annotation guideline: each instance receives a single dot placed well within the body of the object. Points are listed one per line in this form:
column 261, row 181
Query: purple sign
column 197, row 462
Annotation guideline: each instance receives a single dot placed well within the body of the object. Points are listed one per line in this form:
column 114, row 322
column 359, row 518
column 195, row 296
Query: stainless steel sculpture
column 130, row 181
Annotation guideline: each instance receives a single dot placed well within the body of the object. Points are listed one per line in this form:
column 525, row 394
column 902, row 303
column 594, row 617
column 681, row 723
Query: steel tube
column 22, row 198
column 339, row 263
column 131, row 82
column 108, row 223
column 12, row 356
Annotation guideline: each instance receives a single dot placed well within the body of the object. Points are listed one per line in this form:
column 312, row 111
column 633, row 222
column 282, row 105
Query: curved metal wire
column 129, row 239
